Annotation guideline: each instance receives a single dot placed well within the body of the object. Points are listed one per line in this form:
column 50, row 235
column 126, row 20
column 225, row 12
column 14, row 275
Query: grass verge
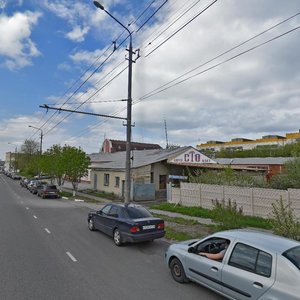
column 246, row 221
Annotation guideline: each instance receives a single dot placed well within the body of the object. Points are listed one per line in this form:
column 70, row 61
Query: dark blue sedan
column 126, row 223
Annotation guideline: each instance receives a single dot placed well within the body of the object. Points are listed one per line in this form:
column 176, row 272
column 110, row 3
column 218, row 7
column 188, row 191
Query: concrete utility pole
column 129, row 107
column 41, row 143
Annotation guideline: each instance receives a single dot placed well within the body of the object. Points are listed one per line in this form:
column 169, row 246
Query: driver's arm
column 215, row 256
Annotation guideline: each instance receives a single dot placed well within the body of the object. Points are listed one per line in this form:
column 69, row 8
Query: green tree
column 53, row 164
column 76, row 163
column 28, row 158
column 289, row 177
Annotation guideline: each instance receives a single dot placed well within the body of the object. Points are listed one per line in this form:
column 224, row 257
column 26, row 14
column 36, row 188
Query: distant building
column 112, row 146
column 246, row 144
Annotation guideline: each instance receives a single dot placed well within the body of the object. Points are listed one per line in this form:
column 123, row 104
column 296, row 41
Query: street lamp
column 15, row 158
column 129, row 107
column 41, row 144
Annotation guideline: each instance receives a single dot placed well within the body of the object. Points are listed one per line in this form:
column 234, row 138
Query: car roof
column 126, row 204
column 260, row 239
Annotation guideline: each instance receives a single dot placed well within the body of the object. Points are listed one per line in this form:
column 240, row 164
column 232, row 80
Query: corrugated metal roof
column 146, row 157
column 253, row 161
column 140, row 158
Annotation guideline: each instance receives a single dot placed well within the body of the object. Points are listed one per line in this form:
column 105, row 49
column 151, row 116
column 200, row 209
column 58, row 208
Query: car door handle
column 215, row 269
column 258, row 285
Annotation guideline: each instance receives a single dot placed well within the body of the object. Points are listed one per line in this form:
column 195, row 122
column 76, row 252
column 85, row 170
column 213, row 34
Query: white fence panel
column 254, row 201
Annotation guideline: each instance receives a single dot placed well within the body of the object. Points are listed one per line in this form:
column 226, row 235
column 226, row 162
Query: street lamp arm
column 100, row 6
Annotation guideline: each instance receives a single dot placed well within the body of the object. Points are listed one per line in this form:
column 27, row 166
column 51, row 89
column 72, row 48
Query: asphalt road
column 47, row 252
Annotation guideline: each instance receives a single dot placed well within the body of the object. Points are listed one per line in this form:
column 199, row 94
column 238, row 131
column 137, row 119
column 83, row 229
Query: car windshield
column 137, row 212
column 293, row 255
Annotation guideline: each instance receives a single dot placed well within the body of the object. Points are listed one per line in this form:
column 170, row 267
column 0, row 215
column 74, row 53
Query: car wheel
column 117, row 237
column 91, row 225
column 177, row 271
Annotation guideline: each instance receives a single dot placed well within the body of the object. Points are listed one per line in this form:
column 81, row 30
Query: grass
column 110, row 196
column 177, row 235
column 246, row 221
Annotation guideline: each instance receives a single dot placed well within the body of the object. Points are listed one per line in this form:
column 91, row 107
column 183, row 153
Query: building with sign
column 150, row 170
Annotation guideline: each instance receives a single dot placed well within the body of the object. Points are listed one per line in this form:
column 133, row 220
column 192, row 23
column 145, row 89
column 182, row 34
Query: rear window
column 51, row 187
column 137, row 212
column 293, row 255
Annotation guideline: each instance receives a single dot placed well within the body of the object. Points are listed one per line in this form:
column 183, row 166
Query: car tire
column 117, row 237
column 177, row 271
column 91, row 225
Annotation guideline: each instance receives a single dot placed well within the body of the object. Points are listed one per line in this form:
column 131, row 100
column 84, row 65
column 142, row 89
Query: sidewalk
column 102, row 202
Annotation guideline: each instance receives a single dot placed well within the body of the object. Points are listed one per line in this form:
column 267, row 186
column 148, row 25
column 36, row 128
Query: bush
column 283, row 220
column 228, row 215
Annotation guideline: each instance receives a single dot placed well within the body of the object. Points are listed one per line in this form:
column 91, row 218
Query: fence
column 254, row 201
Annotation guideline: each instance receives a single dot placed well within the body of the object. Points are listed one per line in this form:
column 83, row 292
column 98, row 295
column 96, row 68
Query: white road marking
column 27, row 208
column 71, row 256
column 35, row 217
column 47, row 230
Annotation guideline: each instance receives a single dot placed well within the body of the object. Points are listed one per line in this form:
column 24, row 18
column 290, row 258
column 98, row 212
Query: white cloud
column 78, row 33
column 15, row 42
column 78, row 15
column 243, row 97
column 3, row 4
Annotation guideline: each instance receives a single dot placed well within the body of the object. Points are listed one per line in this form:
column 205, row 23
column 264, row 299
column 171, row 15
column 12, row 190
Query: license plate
column 148, row 227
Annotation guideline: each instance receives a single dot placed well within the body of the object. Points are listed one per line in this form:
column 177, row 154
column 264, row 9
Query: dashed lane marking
column 71, row 256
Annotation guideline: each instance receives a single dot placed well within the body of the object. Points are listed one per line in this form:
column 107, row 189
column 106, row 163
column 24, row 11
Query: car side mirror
column 192, row 250
column 99, row 212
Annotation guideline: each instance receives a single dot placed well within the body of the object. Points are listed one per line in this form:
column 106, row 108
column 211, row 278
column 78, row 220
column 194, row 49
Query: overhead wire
column 173, row 22
column 166, row 87
column 181, row 28
column 136, row 19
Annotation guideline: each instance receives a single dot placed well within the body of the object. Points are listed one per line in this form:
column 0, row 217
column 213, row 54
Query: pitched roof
column 253, row 161
column 140, row 158
column 118, row 146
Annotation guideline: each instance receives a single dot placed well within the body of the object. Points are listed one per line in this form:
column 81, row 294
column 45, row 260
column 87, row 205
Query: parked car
column 23, row 182
column 47, row 191
column 15, row 176
column 126, row 223
column 36, row 184
column 256, row 265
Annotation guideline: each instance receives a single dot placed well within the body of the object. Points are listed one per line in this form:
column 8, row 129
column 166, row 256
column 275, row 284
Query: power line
column 182, row 27
column 159, row 90
column 158, row 9
column 173, row 22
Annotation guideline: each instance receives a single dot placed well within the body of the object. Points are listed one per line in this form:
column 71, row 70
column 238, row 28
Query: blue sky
column 48, row 49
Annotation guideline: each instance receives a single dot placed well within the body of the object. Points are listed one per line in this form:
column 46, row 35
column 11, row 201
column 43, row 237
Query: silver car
column 256, row 265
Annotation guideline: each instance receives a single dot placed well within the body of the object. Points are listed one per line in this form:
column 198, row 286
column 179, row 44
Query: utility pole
column 41, row 142
column 166, row 131
column 129, row 107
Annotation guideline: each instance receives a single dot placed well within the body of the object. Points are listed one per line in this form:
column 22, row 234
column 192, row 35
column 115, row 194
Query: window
column 251, row 259
column 137, row 212
column 114, row 212
column 152, row 177
column 106, row 179
column 293, row 255
column 117, row 183
column 106, row 209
